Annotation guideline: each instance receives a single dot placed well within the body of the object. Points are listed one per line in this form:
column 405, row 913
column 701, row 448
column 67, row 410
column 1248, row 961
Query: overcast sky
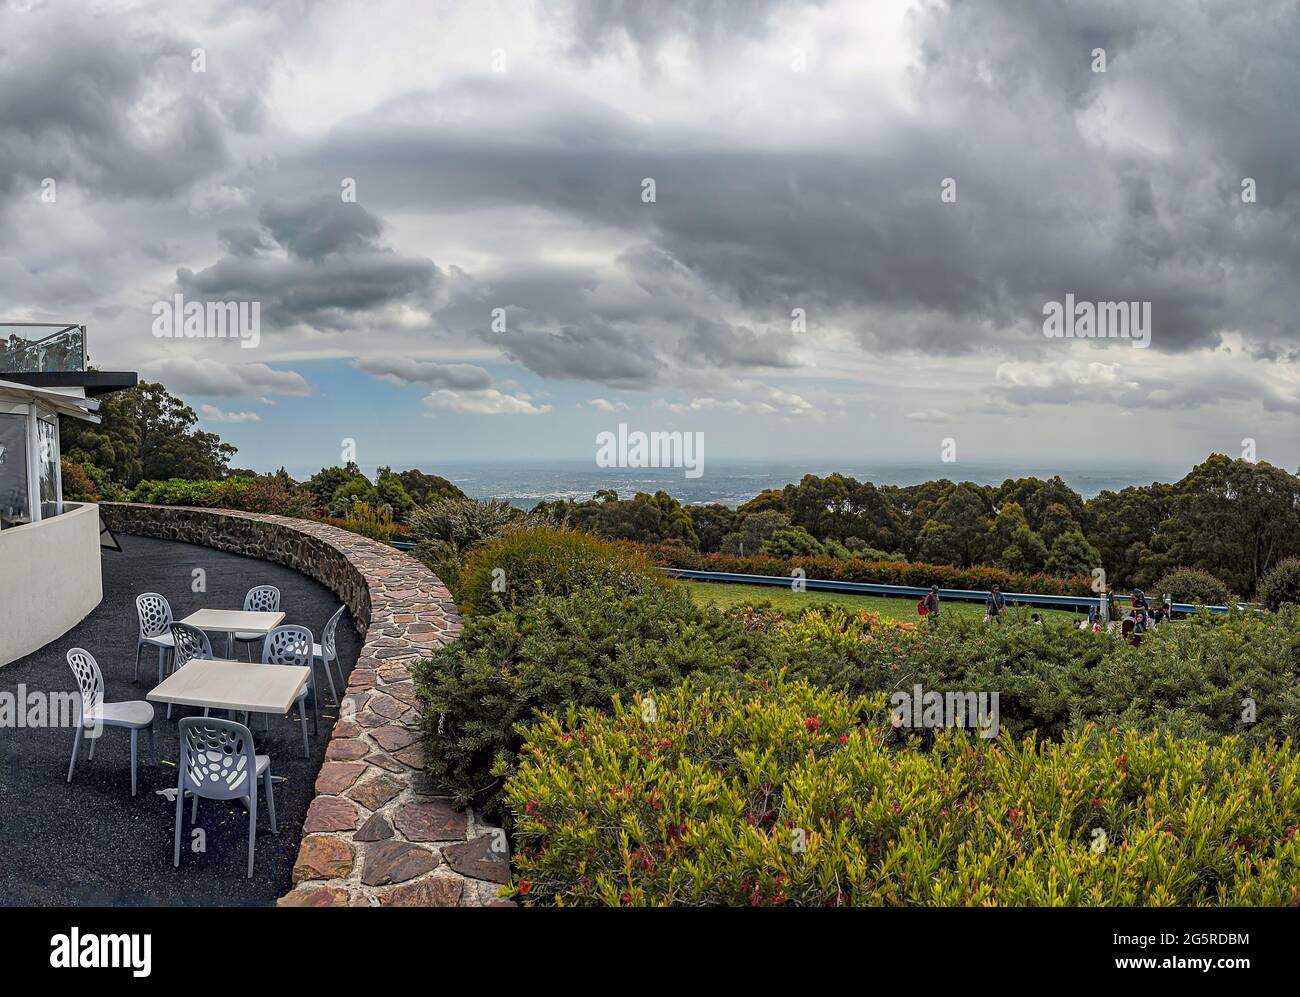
column 798, row 151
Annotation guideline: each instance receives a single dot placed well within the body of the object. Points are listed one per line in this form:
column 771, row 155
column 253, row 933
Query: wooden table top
column 230, row 620
column 233, row 685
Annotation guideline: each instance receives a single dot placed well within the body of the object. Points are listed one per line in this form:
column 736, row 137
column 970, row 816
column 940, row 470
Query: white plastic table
column 232, row 621
column 237, row 686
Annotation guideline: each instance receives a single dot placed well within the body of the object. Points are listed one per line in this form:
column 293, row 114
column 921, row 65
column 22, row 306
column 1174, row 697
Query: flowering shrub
column 790, row 796
column 837, row 625
column 860, row 570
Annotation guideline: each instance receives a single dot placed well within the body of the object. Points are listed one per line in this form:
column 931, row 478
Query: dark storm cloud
column 333, row 273
column 1052, row 198
column 717, row 345
column 593, row 352
column 76, row 105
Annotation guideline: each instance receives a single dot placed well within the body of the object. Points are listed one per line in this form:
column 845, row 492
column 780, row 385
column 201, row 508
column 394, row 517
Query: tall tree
column 146, row 433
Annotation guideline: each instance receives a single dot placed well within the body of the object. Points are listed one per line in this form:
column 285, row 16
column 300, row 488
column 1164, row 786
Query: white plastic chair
column 326, row 652
column 155, row 614
column 135, row 715
column 259, row 599
column 219, row 762
column 189, row 643
column 292, row 645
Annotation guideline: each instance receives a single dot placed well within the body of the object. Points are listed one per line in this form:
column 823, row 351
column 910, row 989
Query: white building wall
column 49, row 579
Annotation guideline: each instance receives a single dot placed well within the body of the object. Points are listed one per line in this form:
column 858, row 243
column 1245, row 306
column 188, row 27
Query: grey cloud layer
column 1115, row 186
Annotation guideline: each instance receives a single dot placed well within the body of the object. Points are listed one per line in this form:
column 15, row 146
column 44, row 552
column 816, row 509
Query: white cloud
column 213, row 414
column 203, row 376
column 487, row 402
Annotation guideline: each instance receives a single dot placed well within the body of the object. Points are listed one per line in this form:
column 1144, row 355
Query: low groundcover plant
column 792, row 795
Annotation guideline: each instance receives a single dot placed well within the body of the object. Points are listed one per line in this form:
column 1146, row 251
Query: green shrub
column 581, row 649
column 789, row 797
column 230, row 493
column 1206, row 676
column 272, row 493
column 445, row 530
column 1281, row 585
column 77, row 483
column 1193, row 585
column 521, row 564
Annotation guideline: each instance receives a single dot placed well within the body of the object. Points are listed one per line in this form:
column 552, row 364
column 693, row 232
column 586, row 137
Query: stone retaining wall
column 377, row 833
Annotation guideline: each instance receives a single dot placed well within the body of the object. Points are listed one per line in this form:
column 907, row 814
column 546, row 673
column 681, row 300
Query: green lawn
column 782, row 598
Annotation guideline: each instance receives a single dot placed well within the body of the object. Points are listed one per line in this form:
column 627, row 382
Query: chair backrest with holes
column 288, row 645
column 218, row 759
column 90, row 680
column 155, row 614
column 329, row 639
column 191, row 643
column 262, row 599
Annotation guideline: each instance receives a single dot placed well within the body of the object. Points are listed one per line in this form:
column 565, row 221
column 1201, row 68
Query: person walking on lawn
column 994, row 604
column 931, row 604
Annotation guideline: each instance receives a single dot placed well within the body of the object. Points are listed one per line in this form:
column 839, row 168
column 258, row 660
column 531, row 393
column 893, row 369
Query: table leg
column 230, row 645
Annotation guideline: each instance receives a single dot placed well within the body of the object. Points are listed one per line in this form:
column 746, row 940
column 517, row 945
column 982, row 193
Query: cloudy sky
column 798, row 153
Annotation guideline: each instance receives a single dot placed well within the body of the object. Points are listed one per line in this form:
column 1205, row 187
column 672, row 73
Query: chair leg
column 315, row 708
column 94, row 741
column 194, row 808
column 302, row 712
column 135, row 738
column 343, row 679
column 76, row 746
column 180, row 810
column 139, row 646
column 162, row 651
column 334, row 693
column 270, row 799
column 252, row 827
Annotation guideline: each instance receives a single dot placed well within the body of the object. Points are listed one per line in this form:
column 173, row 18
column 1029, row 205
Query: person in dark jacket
column 995, row 604
column 931, row 604
column 1141, row 610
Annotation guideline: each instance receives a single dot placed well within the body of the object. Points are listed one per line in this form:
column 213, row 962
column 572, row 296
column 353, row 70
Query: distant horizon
column 731, row 481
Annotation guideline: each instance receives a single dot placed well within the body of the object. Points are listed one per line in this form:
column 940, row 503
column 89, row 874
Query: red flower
column 525, row 886
column 812, row 723
column 1097, row 802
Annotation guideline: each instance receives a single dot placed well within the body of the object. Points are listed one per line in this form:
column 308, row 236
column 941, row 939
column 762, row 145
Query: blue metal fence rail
column 917, row 591
column 1082, row 602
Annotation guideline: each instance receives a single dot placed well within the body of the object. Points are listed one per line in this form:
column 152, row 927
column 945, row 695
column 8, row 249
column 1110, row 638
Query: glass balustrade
column 41, row 348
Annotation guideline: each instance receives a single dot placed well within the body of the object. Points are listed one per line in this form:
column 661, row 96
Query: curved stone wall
column 377, row 832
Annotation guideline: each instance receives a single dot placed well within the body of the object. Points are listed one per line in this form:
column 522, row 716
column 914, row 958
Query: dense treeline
column 1234, row 519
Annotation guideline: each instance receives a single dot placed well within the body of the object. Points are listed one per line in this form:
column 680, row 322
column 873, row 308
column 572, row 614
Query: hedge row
column 882, row 572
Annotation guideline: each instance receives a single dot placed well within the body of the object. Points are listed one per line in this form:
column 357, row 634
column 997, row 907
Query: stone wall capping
column 378, row 832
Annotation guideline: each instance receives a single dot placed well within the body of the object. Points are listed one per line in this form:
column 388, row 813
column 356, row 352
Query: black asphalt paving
column 90, row 843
